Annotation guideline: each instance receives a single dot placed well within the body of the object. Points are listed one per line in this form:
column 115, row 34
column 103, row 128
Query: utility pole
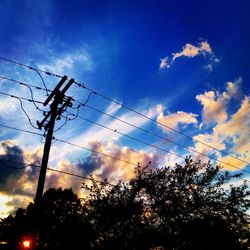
column 54, row 113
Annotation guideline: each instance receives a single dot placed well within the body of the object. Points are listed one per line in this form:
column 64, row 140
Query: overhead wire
column 128, row 136
column 98, row 152
column 152, row 145
column 29, row 86
column 20, row 130
column 147, row 131
column 95, row 151
column 130, row 109
column 75, row 145
column 23, row 83
column 125, row 122
column 29, row 67
column 67, row 119
column 37, row 71
column 32, row 96
column 25, row 165
column 139, row 140
column 21, row 98
column 21, row 104
column 163, row 125
column 64, row 123
column 156, row 135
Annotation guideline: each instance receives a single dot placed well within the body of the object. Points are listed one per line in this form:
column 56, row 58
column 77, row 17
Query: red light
column 26, row 244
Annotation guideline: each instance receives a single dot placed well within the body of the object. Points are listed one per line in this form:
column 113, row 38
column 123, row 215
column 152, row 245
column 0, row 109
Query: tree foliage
column 186, row 207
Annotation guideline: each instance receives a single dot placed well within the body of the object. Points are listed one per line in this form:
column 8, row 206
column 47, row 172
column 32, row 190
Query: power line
column 156, row 147
column 161, row 137
column 126, row 107
column 98, row 152
column 19, row 97
column 128, row 136
column 73, row 144
column 54, row 170
column 29, row 67
column 21, row 104
column 95, row 151
column 42, row 80
column 23, row 83
column 30, row 85
column 156, row 135
column 20, row 130
column 163, row 125
column 25, row 165
column 152, row 145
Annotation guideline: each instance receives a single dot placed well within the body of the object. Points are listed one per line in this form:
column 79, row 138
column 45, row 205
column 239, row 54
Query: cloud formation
column 114, row 170
column 15, row 177
column 174, row 120
column 231, row 132
column 7, row 107
column 190, row 50
column 215, row 103
column 68, row 62
column 57, row 180
column 164, row 63
column 18, row 186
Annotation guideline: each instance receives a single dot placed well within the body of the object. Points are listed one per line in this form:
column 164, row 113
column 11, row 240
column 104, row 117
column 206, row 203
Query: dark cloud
column 90, row 164
column 113, row 169
column 11, row 160
column 93, row 161
column 14, row 174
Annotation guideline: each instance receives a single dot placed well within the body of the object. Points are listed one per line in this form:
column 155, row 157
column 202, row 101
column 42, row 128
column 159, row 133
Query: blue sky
column 183, row 63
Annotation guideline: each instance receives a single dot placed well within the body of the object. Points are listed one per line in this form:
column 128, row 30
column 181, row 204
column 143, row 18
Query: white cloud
column 190, row 50
column 57, row 180
column 215, row 103
column 232, row 133
column 97, row 133
column 113, row 108
column 164, row 63
column 7, row 106
column 4, row 208
column 173, row 120
column 9, row 203
column 114, row 170
column 214, row 107
column 66, row 63
column 205, row 47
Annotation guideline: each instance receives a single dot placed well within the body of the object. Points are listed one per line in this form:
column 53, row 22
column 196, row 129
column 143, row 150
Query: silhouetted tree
column 56, row 222
column 185, row 207
column 193, row 206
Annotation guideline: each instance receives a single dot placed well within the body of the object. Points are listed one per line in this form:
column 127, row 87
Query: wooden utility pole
column 54, row 113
